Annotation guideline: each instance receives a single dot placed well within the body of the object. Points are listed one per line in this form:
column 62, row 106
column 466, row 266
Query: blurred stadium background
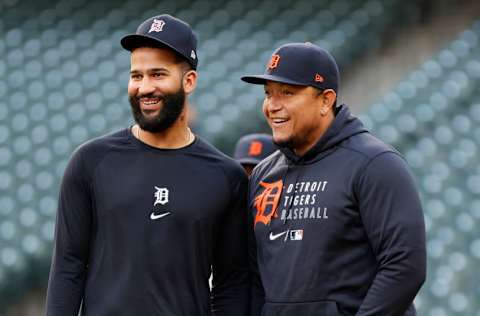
column 410, row 69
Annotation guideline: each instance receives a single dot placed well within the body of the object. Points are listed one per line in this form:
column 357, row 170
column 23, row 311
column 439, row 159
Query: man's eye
column 158, row 74
column 136, row 77
column 287, row 92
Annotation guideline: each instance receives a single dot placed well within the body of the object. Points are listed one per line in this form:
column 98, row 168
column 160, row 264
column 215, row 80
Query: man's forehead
column 146, row 58
column 279, row 85
column 152, row 54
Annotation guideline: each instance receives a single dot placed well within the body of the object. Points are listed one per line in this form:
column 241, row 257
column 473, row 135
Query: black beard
column 173, row 104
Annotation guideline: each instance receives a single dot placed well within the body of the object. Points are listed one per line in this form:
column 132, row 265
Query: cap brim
column 132, row 41
column 262, row 79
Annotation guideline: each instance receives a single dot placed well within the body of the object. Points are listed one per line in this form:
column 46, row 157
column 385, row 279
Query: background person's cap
column 303, row 64
column 253, row 148
column 166, row 30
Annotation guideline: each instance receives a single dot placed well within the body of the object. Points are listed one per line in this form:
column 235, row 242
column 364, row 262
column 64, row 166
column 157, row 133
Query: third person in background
column 250, row 149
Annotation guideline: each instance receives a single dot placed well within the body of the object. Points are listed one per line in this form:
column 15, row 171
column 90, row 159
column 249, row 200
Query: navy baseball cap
column 165, row 30
column 303, row 64
column 253, row 148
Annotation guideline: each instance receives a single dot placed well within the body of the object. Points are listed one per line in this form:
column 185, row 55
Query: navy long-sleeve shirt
column 139, row 230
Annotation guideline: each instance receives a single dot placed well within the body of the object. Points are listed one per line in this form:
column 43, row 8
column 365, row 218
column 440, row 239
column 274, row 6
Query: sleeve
column 393, row 219
column 231, row 279
column 257, row 292
column 72, row 232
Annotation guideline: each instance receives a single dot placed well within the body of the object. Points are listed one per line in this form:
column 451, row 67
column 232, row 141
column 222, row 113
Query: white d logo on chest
column 161, row 196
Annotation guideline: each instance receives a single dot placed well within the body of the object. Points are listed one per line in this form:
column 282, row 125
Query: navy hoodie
column 338, row 231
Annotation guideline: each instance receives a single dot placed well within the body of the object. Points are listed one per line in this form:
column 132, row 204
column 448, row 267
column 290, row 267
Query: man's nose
column 146, row 87
column 273, row 104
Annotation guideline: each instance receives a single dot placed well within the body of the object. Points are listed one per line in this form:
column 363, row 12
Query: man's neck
column 176, row 136
column 323, row 126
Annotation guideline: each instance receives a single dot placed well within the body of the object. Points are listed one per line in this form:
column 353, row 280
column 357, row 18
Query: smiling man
column 146, row 214
column 336, row 222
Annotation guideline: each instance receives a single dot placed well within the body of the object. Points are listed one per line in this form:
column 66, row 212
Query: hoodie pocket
column 319, row 308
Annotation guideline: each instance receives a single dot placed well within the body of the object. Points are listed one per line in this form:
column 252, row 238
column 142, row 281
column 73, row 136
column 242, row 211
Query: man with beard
column 335, row 214
column 147, row 213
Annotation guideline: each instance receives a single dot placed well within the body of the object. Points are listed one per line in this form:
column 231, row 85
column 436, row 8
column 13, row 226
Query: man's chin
column 152, row 127
column 150, row 113
column 282, row 141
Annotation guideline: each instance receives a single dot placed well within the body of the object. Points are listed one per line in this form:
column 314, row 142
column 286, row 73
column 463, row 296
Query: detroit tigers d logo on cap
column 273, row 63
column 157, row 26
column 255, row 148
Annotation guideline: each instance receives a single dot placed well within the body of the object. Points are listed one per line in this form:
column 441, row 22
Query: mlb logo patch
column 296, row 234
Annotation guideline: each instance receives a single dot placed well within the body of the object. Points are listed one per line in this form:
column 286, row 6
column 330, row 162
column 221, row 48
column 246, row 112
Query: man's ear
column 189, row 81
column 328, row 100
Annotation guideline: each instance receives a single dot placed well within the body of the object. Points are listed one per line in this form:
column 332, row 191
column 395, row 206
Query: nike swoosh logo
column 154, row 216
column 276, row 236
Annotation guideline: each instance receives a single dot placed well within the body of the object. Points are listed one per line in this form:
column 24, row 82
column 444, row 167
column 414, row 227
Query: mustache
column 160, row 96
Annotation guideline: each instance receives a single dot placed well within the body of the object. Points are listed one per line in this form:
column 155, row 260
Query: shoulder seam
column 107, row 152
column 378, row 155
column 367, row 156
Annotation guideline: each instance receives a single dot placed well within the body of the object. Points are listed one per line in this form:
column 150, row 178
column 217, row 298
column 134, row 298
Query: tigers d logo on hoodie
column 266, row 202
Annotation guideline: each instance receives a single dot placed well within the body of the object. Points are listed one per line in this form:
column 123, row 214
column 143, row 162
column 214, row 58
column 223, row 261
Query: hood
column 343, row 126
